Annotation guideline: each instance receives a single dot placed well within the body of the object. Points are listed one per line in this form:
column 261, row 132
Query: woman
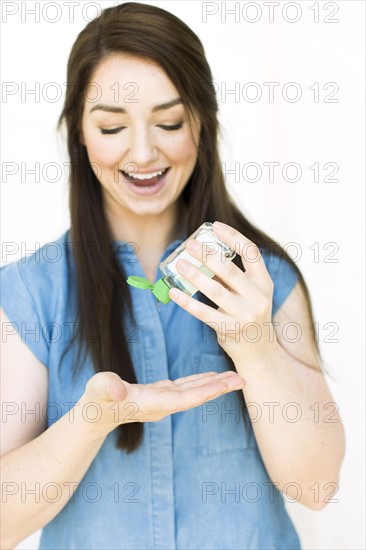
column 139, row 439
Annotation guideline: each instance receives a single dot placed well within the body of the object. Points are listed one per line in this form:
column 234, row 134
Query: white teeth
column 146, row 176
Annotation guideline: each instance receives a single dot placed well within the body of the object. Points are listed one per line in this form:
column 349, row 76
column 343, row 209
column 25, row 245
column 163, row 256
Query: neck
column 151, row 235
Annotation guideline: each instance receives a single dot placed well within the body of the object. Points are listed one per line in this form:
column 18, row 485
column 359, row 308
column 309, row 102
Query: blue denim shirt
column 198, row 480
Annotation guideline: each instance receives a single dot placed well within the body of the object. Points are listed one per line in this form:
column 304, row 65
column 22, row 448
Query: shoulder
column 284, row 275
column 33, row 291
column 39, row 271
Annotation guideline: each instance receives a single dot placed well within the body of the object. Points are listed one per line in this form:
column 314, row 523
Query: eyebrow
column 111, row 109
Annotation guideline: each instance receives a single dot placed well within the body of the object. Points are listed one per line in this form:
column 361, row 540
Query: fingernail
column 174, row 293
column 192, row 244
column 183, row 265
column 220, row 226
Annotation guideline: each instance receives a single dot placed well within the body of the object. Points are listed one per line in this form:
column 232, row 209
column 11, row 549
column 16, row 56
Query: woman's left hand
column 243, row 319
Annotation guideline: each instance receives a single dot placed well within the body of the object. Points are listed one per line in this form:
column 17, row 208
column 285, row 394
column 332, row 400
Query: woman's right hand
column 121, row 402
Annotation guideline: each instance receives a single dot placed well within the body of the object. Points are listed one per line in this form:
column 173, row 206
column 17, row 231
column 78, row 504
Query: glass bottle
column 172, row 278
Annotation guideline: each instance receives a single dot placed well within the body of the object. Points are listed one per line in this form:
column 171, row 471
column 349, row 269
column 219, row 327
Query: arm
column 307, row 451
column 302, row 453
column 30, row 453
column 63, row 453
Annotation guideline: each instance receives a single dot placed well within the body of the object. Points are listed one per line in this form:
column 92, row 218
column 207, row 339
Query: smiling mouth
column 146, row 182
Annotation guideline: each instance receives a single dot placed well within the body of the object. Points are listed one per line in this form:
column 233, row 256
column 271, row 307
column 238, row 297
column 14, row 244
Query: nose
column 142, row 150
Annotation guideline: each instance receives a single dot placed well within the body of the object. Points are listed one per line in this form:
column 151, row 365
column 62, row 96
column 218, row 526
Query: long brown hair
column 152, row 33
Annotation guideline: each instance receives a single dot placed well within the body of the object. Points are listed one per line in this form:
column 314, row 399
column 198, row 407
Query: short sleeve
column 19, row 306
column 284, row 277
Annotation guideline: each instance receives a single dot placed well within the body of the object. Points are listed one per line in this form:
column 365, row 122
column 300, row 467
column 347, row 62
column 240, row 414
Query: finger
column 106, row 386
column 194, row 397
column 227, row 273
column 226, row 300
column 202, row 381
column 158, row 402
column 228, row 373
column 193, row 377
column 250, row 254
column 212, row 317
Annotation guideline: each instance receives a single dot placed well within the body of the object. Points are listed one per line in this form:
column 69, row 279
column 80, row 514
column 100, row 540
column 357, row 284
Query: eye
column 112, row 131
column 166, row 128
column 172, row 128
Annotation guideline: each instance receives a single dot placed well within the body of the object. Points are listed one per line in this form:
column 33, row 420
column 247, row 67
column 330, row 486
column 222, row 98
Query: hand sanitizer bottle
column 172, row 278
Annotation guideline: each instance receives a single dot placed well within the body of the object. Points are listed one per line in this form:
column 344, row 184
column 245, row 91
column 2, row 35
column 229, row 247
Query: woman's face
column 124, row 132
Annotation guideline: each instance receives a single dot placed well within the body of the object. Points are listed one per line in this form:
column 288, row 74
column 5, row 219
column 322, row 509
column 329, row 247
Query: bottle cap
column 159, row 289
column 138, row 282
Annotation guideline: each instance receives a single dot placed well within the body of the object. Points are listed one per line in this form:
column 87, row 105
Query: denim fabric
column 198, row 480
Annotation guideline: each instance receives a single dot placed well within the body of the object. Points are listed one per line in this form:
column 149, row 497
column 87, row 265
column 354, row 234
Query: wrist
column 259, row 361
column 90, row 418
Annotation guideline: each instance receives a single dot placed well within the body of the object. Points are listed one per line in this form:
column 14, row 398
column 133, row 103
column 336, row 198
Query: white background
column 304, row 212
